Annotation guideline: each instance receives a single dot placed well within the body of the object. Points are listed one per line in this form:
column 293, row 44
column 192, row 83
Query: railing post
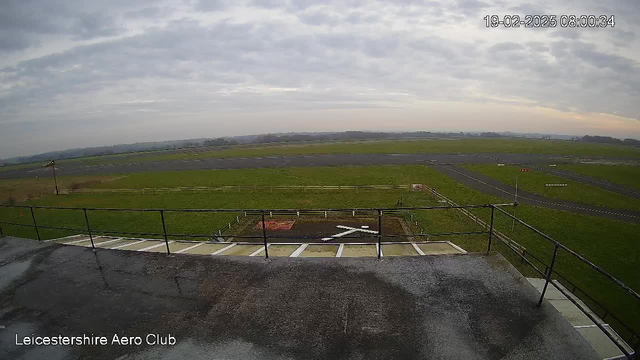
column 264, row 236
column 164, row 230
column 33, row 216
column 491, row 229
column 379, row 233
column 86, row 220
column 549, row 273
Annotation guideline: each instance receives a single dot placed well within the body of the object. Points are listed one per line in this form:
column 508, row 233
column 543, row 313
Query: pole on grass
column 549, row 273
column 491, row 229
column 164, row 230
column 86, row 220
column 515, row 200
column 379, row 233
column 264, row 236
column 35, row 225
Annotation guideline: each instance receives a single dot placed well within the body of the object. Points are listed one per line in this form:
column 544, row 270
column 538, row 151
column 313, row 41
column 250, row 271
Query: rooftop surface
column 429, row 307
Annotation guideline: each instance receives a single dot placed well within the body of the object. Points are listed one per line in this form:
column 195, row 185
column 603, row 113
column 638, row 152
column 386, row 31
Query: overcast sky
column 78, row 73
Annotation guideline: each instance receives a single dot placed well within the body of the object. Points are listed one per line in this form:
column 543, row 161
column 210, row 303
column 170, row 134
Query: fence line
column 549, row 271
column 238, row 188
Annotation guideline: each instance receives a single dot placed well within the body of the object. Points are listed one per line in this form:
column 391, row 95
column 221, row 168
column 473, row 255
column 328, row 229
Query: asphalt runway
column 601, row 183
column 285, row 161
column 423, row 307
column 492, row 186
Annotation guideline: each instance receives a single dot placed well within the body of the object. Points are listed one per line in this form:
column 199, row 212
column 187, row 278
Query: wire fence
column 238, row 188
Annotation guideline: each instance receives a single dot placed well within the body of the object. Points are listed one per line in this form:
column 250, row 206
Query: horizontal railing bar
column 255, row 210
column 575, row 254
column 592, row 318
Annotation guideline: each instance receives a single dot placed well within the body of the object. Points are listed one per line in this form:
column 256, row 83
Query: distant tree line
column 279, row 138
column 610, row 140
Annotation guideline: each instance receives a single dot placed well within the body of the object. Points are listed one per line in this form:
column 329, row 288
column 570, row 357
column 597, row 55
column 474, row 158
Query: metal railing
column 520, row 251
column 377, row 212
column 633, row 337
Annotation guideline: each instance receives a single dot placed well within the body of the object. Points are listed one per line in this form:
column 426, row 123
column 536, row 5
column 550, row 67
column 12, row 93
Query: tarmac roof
column 429, row 307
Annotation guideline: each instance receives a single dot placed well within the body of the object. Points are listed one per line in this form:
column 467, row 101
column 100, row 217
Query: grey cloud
column 505, row 46
column 622, row 38
column 195, row 66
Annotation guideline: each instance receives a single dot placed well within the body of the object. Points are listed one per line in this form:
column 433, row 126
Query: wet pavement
column 415, row 307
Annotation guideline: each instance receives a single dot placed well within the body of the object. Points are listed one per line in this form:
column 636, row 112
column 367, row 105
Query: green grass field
column 621, row 174
column 529, row 146
column 414, row 146
column 534, row 181
column 610, row 244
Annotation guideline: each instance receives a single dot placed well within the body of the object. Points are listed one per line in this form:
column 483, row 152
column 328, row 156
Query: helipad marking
column 223, row 249
column 154, row 246
column 259, row 251
column 125, row 245
column 350, row 230
column 299, row 250
column 417, row 249
column 340, row 249
column 108, row 242
column 189, row 248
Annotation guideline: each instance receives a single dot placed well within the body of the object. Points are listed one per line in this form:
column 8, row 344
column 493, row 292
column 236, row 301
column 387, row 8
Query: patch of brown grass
column 20, row 190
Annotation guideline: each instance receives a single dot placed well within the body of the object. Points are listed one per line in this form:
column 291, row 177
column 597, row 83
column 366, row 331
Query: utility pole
column 513, row 224
column 52, row 163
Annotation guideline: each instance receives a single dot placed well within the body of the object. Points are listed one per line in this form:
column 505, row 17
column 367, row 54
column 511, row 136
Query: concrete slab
column 600, row 342
column 320, row 251
column 96, row 240
column 422, row 307
column 399, row 250
column 71, row 239
column 359, row 251
column 571, row 312
column 281, row 250
column 178, row 246
column 242, row 250
column 139, row 245
column 437, row 248
column 206, row 249
column 161, row 249
column 117, row 244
